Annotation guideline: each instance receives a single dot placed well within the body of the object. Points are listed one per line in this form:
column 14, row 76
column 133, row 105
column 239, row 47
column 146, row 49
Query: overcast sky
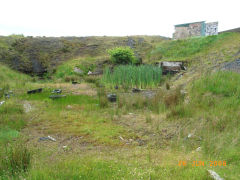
column 111, row 17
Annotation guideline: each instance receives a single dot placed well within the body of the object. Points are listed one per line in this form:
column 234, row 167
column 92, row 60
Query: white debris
column 189, row 135
column 64, row 147
column 27, row 107
column 121, row 138
column 51, row 138
column 89, row 72
column 2, row 102
column 198, row 149
column 214, row 175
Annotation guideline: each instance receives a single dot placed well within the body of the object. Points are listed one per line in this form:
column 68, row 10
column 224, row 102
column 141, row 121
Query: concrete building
column 201, row 28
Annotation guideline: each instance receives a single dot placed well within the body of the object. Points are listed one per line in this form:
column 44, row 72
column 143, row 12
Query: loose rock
column 35, row 91
column 112, row 97
column 57, row 91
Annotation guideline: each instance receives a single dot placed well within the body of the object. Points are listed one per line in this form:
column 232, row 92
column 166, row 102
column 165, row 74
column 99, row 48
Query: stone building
column 201, row 28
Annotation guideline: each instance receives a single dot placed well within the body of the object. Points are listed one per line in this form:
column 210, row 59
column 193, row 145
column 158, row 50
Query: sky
column 111, row 17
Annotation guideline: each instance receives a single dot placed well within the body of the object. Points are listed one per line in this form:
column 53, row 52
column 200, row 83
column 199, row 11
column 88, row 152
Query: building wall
column 190, row 30
column 211, row 29
column 195, row 29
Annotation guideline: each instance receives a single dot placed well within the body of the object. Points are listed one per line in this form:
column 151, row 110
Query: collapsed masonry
column 201, row 28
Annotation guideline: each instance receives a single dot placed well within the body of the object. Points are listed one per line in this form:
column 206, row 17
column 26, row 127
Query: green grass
column 133, row 76
column 187, row 48
column 210, row 112
column 214, row 119
column 12, row 79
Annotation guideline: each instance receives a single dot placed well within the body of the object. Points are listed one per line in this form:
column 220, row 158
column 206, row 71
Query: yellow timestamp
column 202, row 163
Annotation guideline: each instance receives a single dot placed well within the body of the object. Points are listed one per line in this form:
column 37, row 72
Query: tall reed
column 133, row 76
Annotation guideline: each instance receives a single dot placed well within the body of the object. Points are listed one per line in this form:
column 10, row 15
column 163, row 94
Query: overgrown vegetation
column 133, row 76
column 143, row 135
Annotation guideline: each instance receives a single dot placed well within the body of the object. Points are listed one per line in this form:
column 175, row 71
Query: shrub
column 122, row 55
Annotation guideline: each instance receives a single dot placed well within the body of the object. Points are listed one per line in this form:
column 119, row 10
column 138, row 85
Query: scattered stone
column 136, row 90
column 35, row 91
column 112, row 97
column 214, row 175
column 78, row 71
column 57, row 91
column 48, row 138
column 56, row 96
column 74, row 82
column 2, row 102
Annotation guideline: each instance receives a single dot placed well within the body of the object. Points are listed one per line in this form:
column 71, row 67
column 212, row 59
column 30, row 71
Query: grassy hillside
column 41, row 54
column 192, row 118
column 225, row 44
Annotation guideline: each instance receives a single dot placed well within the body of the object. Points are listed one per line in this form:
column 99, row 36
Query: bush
column 122, row 55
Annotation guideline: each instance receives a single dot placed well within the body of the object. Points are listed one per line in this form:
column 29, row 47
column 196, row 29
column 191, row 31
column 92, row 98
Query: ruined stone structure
column 201, row 28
